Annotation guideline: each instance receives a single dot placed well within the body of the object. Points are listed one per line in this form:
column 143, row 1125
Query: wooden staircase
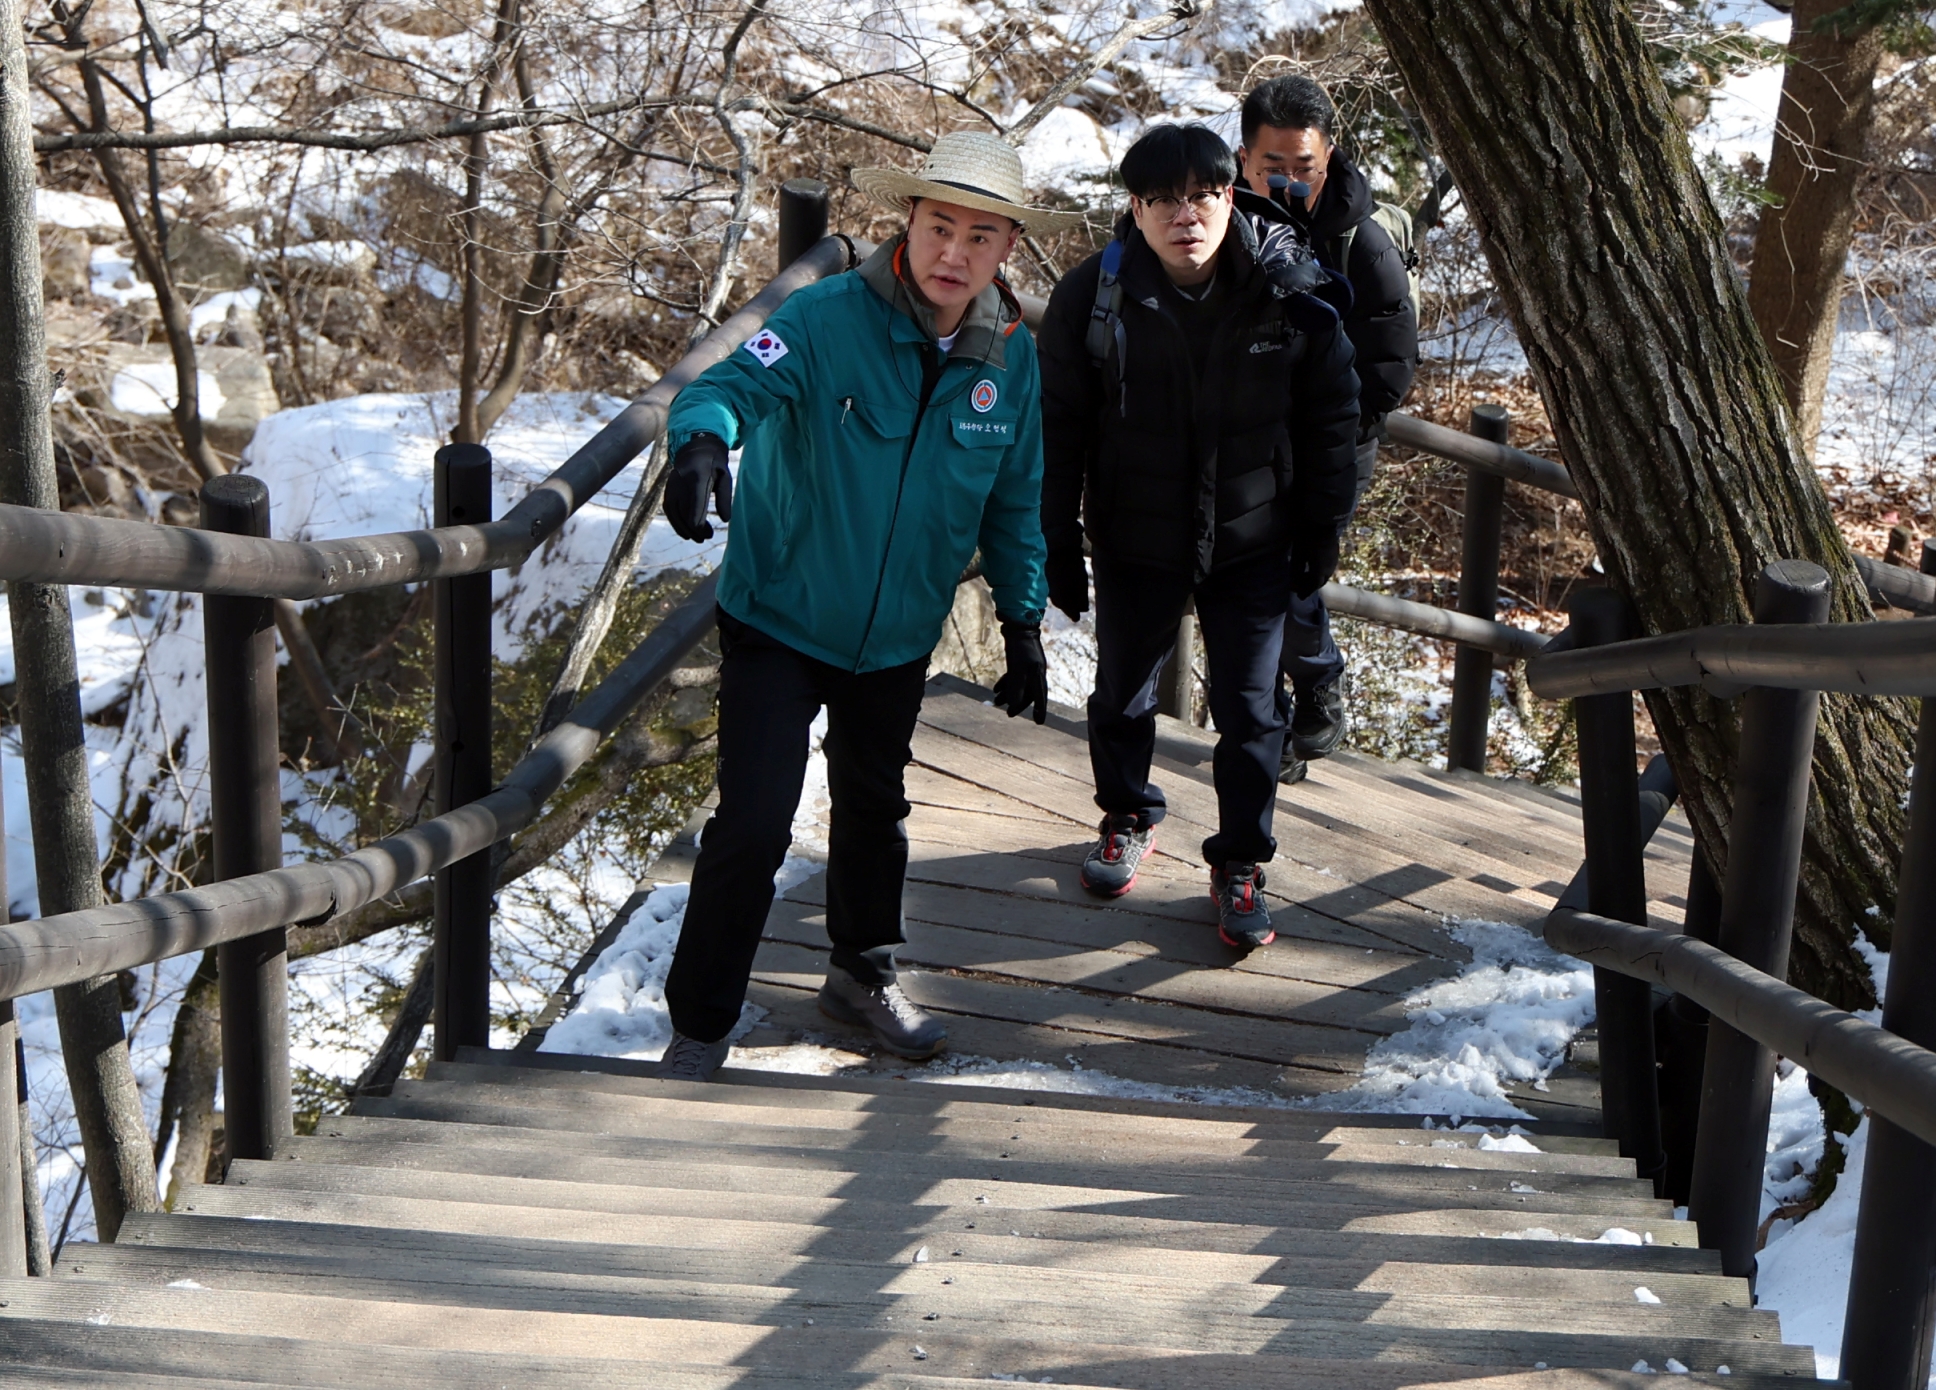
column 499, row 1225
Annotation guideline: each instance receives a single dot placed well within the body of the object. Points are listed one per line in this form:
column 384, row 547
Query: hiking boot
column 1110, row 869
column 898, row 1024
column 1291, row 769
column 1317, row 722
column 1243, row 921
column 688, row 1059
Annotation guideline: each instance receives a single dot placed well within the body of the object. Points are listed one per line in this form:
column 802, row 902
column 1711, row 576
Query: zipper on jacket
column 846, row 405
column 930, row 378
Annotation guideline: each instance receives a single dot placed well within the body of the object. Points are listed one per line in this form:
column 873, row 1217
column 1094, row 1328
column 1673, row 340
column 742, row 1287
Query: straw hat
column 972, row 169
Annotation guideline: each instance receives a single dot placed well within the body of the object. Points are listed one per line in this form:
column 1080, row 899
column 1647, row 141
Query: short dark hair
column 1289, row 103
column 1165, row 159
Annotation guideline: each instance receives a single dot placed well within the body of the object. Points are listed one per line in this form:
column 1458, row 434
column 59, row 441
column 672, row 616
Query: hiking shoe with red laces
column 1243, row 921
column 1110, row 869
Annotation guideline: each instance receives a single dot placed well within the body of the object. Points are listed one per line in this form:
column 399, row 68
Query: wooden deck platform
column 1374, row 858
column 547, row 1221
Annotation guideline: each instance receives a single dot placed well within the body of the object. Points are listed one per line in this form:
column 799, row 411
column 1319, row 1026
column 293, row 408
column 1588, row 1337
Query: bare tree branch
column 601, row 604
column 105, row 139
column 1182, row 12
column 745, row 173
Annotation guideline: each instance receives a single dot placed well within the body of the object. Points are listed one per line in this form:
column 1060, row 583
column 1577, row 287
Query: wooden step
column 844, row 1212
column 868, row 1230
column 788, row 1193
column 971, row 1123
column 1348, row 1190
column 1202, row 1252
column 170, row 1250
column 1257, row 1344
column 1028, row 1135
column 857, row 1091
column 66, row 1352
column 1125, row 1309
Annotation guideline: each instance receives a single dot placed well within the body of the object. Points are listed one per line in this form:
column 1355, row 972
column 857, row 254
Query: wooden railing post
column 245, row 794
column 1891, row 1313
column 1681, row 1041
column 1485, row 504
column 1617, row 888
column 1757, row 915
column 803, row 218
column 461, row 955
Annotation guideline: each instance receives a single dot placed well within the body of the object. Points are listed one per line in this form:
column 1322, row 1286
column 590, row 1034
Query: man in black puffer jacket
column 1202, row 434
column 1289, row 128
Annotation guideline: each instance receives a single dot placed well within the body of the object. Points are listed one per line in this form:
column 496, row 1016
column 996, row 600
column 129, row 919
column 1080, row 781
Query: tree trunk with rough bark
column 94, row 1044
column 1828, row 105
column 194, row 1070
column 1610, row 258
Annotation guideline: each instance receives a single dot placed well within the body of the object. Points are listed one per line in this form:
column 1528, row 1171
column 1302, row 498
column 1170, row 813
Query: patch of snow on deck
column 1505, row 1017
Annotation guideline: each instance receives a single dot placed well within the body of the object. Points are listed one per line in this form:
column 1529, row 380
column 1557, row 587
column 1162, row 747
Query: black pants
column 768, row 697
column 1311, row 658
column 1240, row 614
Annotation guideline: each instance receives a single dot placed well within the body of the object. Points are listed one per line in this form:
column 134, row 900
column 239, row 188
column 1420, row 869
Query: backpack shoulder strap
column 1106, row 317
column 1397, row 224
column 1340, row 249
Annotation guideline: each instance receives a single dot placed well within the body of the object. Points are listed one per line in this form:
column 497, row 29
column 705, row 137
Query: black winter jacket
column 1382, row 323
column 1184, row 475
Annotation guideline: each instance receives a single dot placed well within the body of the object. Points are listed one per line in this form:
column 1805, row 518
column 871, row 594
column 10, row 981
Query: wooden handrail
column 75, row 946
column 55, row 548
column 1897, row 658
column 1878, row 1068
column 1501, row 639
column 1460, row 447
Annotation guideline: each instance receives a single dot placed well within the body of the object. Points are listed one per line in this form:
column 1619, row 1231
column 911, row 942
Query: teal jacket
column 856, row 506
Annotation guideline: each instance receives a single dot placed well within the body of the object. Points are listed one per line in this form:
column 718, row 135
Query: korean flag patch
column 766, row 346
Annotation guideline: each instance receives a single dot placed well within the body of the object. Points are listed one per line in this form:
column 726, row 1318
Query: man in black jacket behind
column 1289, row 128
column 1203, row 434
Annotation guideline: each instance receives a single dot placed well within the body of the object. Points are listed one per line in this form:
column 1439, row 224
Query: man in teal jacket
column 889, row 426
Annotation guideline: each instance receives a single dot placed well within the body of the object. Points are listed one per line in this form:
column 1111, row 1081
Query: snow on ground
column 346, row 468
column 1803, row 1271
column 1507, row 1016
column 1740, row 117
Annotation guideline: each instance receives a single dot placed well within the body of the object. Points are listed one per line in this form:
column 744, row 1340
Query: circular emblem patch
column 982, row 398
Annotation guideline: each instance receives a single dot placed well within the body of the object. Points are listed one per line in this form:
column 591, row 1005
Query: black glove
column 1286, row 260
column 1295, row 277
column 697, row 469
column 1026, row 682
column 1069, row 582
column 1314, row 559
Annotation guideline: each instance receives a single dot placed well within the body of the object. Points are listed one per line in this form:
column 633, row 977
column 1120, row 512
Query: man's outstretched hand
column 1068, row 582
column 1314, row 559
column 698, row 469
column 1026, row 682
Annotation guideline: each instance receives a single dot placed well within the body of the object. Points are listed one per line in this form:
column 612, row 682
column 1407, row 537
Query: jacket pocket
column 973, row 431
column 887, row 420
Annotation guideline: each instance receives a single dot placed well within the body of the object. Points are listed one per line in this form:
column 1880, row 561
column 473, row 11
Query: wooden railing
column 243, row 573
column 1728, row 966
column 245, row 914
column 257, row 897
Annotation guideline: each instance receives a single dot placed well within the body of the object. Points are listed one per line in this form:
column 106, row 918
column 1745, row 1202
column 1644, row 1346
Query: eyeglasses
column 1200, row 203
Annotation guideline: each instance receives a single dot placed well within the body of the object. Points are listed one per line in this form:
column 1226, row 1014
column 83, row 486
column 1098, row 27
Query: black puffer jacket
column 1382, row 323
column 1189, row 475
